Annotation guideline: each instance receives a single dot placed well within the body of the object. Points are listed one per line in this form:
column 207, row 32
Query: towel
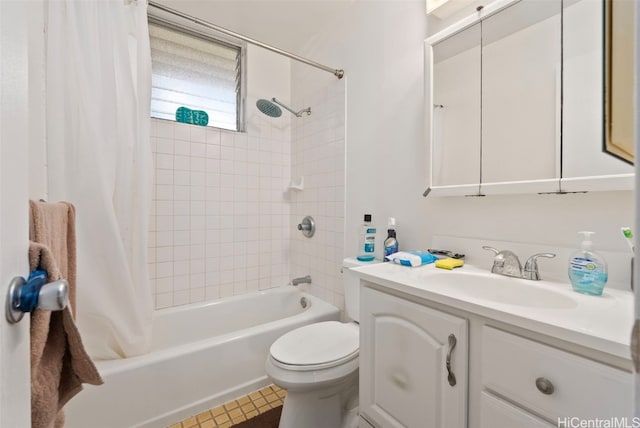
column 59, row 363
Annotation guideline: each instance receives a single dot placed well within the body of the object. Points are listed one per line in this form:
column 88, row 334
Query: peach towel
column 59, row 363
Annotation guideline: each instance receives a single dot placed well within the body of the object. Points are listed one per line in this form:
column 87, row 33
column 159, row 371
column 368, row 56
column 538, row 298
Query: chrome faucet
column 507, row 263
column 301, row 280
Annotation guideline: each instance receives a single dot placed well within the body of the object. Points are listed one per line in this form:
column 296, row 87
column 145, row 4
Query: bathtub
column 202, row 355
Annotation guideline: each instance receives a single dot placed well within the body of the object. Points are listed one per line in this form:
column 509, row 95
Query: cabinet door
column 585, row 165
column 404, row 381
column 455, row 118
column 521, row 48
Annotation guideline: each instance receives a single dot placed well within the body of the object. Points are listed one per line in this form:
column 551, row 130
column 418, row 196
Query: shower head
column 268, row 108
column 271, row 109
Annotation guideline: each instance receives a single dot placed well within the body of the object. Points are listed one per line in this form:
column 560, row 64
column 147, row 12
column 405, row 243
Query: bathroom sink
column 502, row 289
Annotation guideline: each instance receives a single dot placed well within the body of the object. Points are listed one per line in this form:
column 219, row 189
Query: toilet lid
column 317, row 344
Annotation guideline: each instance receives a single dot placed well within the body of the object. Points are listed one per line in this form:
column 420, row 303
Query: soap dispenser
column 587, row 269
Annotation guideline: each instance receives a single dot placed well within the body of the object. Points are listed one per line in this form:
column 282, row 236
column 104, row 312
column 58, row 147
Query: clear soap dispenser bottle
column 587, row 269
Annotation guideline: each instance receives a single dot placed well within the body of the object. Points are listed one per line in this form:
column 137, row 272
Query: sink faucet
column 301, row 280
column 506, row 263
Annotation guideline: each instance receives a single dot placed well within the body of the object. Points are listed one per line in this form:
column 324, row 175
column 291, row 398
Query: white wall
column 380, row 46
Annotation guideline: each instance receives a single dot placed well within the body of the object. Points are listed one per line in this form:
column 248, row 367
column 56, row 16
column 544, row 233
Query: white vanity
column 524, row 354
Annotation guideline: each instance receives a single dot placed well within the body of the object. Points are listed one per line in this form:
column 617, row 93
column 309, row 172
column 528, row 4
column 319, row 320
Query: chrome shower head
column 268, row 108
column 271, row 109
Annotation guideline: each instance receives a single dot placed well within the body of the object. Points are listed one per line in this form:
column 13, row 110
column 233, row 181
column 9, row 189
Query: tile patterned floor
column 236, row 411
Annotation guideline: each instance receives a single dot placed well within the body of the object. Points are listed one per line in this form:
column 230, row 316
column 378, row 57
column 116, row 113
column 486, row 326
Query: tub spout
column 302, row 280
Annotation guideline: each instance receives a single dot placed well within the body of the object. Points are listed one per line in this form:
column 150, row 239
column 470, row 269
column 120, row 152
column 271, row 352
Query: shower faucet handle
column 307, row 226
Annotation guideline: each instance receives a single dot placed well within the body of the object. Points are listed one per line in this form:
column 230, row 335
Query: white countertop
column 602, row 322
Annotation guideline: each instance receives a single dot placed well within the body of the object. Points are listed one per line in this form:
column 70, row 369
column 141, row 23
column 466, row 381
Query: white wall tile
column 224, row 222
column 200, row 224
column 164, row 300
column 182, row 131
column 182, row 148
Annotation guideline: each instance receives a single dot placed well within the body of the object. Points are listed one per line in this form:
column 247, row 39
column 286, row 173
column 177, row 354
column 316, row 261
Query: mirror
column 583, row 104
column 619, row 59
column 521, row 92
column 456, row 109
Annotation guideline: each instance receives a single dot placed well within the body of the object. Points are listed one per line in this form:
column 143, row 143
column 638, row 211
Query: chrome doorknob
column 24, row 296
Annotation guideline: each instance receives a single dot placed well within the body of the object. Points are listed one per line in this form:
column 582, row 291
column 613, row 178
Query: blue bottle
column 367, row 240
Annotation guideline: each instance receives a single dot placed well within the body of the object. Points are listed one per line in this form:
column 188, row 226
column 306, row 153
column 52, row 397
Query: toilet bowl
column 318, row 366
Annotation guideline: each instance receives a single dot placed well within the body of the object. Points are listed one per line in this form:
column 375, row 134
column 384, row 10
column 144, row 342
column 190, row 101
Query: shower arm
column 297, row 113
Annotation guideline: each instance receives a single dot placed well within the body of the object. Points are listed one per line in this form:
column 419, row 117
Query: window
column 195, row 71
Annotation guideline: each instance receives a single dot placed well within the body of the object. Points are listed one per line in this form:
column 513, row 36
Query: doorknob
column 26, row 295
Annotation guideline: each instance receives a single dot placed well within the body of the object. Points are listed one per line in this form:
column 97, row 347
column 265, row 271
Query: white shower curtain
column 98, row 85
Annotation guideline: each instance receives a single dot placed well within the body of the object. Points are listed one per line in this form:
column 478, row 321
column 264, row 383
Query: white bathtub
column 202, row 355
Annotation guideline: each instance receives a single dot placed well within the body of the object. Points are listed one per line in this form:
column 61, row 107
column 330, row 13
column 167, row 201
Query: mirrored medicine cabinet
column 619, row 27
column 516, row 101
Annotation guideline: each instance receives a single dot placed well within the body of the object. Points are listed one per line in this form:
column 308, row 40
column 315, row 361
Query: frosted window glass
column 194, row 72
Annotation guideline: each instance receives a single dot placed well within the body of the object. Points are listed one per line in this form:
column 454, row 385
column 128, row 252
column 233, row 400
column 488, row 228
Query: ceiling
column 285, row 24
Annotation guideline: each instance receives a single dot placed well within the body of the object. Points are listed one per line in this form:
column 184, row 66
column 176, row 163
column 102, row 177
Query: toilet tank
column 352, row 287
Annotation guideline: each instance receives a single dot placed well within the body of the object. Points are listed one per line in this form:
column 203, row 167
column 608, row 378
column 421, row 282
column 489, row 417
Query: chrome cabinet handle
column 450, row 376
column 544, row 385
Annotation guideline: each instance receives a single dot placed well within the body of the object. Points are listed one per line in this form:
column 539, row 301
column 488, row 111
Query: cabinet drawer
column 575, row 386
column 495, row 412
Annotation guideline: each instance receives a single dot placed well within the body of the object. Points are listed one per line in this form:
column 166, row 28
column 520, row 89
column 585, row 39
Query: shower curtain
column 98, row 85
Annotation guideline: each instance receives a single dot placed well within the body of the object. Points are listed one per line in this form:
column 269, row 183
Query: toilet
column 318, row 366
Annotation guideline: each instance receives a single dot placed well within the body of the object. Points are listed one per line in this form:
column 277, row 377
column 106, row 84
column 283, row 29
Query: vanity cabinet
column 505, row 376
column 405, row 349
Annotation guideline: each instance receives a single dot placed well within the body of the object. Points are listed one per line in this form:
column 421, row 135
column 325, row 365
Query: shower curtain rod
column 339, row 73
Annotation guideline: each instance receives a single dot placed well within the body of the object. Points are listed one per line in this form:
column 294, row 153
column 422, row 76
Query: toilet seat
column 316, row 346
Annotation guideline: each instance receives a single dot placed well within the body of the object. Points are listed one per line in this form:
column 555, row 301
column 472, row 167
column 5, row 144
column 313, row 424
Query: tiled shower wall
column 220, row 213
column 318, row 156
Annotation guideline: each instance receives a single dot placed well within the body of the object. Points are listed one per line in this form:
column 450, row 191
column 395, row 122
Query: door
column 404, row 379
column 14, row 138
column 636, row 269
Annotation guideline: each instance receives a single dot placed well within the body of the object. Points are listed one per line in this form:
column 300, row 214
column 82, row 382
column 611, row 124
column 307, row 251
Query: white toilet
column 318, row 366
